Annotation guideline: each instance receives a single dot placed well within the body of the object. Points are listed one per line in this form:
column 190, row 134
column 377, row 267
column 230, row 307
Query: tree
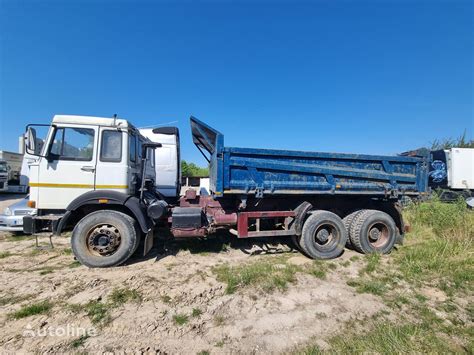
column 460, row 142
column 191, row 169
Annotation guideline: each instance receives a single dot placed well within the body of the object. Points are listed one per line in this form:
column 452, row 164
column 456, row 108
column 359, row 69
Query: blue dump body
column 266, row 172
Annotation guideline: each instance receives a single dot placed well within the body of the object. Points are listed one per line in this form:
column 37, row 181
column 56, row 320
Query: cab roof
column 91, row 120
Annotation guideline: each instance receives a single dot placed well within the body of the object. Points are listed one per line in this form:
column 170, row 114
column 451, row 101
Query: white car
column 12, row 218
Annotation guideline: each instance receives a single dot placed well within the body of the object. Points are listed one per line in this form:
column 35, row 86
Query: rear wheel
column 323, row 235
column 347, row 220
column 104, row 238
column 373, row 232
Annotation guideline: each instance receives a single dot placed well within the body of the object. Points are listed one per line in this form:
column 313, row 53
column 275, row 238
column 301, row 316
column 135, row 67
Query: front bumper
column 11, row 223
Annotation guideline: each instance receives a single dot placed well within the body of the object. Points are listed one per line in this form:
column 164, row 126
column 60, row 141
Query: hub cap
column 378, row 235
column 325, row 235
column 103, row 240
column 322, row 235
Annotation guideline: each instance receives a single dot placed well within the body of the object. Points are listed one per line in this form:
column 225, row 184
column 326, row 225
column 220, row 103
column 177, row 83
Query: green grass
column 76, row 343
column 36, row 252
column 46, row 270
column 180, row 319
column 437, row 250
column 220, row 343
column 390, row 338
column 309, row 350
column 375, row 287
column 5, row 254
column 219, row 320
column 373, row 261
column 452, row 221
column 196, row 312
column 74, row 264
column 266, row 274
column 318, row 272
column 31, row 310
column 17, row 238
column 381, row 336
column 98, row 312
column 120, row 296
column 332, row 266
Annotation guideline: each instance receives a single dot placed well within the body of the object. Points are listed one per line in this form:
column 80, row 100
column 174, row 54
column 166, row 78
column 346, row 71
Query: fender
column 301, row 214
column 108, row 197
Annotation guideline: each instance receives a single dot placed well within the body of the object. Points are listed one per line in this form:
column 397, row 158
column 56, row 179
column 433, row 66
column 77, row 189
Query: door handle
column 88, row 168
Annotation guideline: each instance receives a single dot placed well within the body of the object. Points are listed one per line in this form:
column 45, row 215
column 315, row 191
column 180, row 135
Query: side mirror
column 34, row 141
column 31, row 141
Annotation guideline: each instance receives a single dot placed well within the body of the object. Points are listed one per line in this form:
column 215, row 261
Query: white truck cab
column 82, row 154
column 98, row 176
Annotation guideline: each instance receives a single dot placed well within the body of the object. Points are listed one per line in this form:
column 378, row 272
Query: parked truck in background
column 14, row 163
column 452, row 173
column 3, row 176
column 100, row 177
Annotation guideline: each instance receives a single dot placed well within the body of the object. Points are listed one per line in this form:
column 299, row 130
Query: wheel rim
column 325, row 236
column 103, row 240
column 378, row 234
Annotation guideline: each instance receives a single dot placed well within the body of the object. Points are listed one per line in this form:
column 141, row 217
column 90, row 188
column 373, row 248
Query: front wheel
column 104, row 238
column 324, row 235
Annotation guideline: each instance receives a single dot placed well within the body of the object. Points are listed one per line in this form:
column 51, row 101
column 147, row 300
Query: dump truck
column 98, row 177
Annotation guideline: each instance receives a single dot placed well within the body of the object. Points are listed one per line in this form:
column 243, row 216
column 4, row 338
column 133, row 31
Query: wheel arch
column 104, row 200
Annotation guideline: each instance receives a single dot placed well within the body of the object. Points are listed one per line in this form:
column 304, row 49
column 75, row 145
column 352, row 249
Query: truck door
column 112, row 164
column 69, row 170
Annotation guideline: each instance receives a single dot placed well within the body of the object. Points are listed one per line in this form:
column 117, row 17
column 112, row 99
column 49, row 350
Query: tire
column 295, row 239
column 329, row 227
column 373, row 232
column 101, row 230
column 140, row 237
column 347, row 220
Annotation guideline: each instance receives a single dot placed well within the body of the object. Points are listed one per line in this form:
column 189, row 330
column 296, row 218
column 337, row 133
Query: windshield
column 3, row 167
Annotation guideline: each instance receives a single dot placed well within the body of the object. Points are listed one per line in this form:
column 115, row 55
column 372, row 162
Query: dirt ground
column 175, row 279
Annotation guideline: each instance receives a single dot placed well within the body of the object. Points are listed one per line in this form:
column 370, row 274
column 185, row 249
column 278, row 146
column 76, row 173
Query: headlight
column 7, row 212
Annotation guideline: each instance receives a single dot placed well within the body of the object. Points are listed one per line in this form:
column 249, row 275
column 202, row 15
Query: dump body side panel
column 294, row 172
column 279, row 172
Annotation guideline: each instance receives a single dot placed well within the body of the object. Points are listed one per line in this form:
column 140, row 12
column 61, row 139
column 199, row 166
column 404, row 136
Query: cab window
column 73, row 144
column 139, row 149
column 111, row 146
column 132, row 143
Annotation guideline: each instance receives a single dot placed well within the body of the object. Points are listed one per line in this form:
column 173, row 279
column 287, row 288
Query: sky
column 377, row 77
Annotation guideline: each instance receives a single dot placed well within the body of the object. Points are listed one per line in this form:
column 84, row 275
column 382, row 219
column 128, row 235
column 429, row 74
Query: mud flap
column 400, row 239
column 148, row 242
